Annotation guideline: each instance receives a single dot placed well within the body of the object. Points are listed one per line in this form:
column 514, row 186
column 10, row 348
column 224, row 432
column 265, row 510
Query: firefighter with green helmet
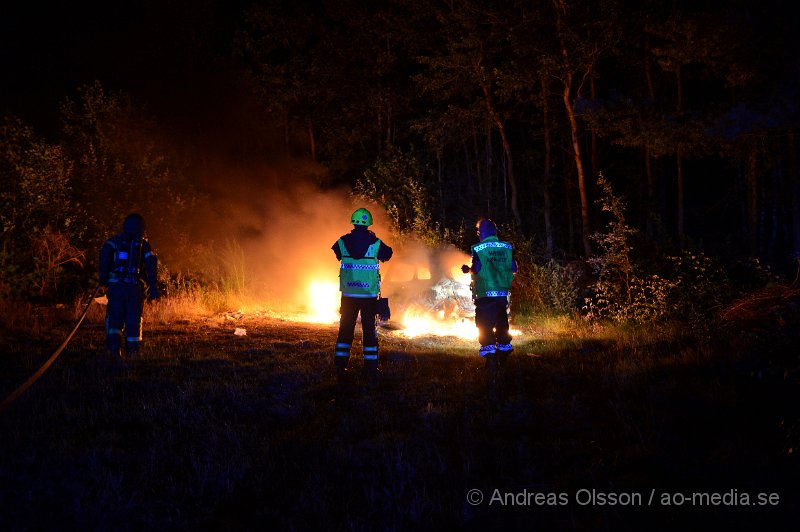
column 360, row 253
column 493, row 268
column 128, row 270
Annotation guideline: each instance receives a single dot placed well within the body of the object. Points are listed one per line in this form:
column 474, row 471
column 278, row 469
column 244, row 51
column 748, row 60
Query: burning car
column 429, row 295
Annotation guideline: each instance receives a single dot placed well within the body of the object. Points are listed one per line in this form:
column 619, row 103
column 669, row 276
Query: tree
column 683, row 42
column 467, row 69
column 582, row 38
column 122, row 165
column 283, row 46
column 36, row 209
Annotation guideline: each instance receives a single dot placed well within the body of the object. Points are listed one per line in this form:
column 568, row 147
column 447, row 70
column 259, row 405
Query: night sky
column 171, row 56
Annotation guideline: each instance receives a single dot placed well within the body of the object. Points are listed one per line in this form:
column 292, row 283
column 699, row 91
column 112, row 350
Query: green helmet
column 361, row 217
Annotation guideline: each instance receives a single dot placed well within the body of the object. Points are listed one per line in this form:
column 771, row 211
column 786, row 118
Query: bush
column 397, row 183
column 622, row 292
column 701, row 285
column 41, row 227
column 546, row 288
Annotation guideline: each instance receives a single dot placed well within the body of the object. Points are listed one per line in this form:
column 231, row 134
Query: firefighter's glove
column 152, row 293
column 465, row 268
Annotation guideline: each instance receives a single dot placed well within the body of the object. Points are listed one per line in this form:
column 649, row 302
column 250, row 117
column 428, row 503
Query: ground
column 210, row 430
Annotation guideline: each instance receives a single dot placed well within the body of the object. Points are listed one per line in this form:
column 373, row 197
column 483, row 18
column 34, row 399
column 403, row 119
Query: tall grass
column 234, row 276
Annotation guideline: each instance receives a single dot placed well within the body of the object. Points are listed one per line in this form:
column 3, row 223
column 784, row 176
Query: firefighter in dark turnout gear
column 493, row 268
column 128, row 270
column 359, row 251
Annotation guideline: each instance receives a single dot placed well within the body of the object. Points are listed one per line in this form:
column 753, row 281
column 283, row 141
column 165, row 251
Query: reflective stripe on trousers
column 370, row 352
column 342, row 350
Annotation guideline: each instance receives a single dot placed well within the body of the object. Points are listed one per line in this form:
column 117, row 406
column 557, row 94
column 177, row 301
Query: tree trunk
column 681, row 234
column 651, row 93
column 489, row 163
column 679, row 157
column 468, row 169
column 795, row 188
column 648, row 71
column 648, row 170
column 546, row 176
column 501, row 128
column 570, row 214
column 593, row 130
column 775, row 211
column 573, row 124
column 752, row 201
column 478, row 166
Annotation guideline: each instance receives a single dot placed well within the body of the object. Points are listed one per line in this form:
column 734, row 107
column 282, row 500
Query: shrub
column 701, row 285
column 40, row 225
column 545, row 288
column 622, row 293
column 397, row 183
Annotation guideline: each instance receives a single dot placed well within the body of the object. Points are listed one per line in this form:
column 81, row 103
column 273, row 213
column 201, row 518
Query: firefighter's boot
column 372, row 372
column 340, row 363
column 488, row 353
column 341, row 356
column 132, row 350
column 491, row 364
column 114, row 348
column 503, row 352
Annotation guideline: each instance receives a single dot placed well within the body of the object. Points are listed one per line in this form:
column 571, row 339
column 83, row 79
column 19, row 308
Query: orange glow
column 458, row 275
column 401, row 273
column 323, row 302
column 446, row 319
column 404, row 272
column 419, row 321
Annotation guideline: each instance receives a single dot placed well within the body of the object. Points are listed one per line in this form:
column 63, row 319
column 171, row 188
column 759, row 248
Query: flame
column 418, row 321
column 323, row 302
column 458, row 275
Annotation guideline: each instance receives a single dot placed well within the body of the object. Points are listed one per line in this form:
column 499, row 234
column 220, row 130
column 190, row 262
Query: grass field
column 586, row 428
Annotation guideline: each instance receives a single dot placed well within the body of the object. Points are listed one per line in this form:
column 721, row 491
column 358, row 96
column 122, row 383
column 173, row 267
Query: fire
column 447, row 313
column 458, row 275
column 418, row 321
column 323, row 302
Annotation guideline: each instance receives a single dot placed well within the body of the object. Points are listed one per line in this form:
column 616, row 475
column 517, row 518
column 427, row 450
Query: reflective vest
column 496, row 275
column 360, row 277
column 128, row 261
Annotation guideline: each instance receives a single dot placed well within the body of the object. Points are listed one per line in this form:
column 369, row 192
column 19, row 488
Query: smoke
column 265, row 229
column 269, row 230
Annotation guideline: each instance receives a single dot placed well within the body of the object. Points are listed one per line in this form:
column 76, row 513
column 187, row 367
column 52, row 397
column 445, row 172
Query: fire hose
column 27, row 384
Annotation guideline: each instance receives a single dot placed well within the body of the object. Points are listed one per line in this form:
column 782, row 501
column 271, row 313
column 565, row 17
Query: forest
column 443, row 112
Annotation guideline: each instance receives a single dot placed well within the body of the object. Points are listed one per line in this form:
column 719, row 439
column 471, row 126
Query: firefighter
column 128, row 270
column 493, row 268
column 359, row 281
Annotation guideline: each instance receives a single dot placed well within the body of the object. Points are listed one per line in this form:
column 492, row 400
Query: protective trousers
column 350, row 308
column 491, row 318
column 124, row 314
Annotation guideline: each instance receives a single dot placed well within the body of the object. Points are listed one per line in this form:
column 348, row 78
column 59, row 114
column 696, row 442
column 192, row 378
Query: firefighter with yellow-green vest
column 360, row 253
column 493, row 269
